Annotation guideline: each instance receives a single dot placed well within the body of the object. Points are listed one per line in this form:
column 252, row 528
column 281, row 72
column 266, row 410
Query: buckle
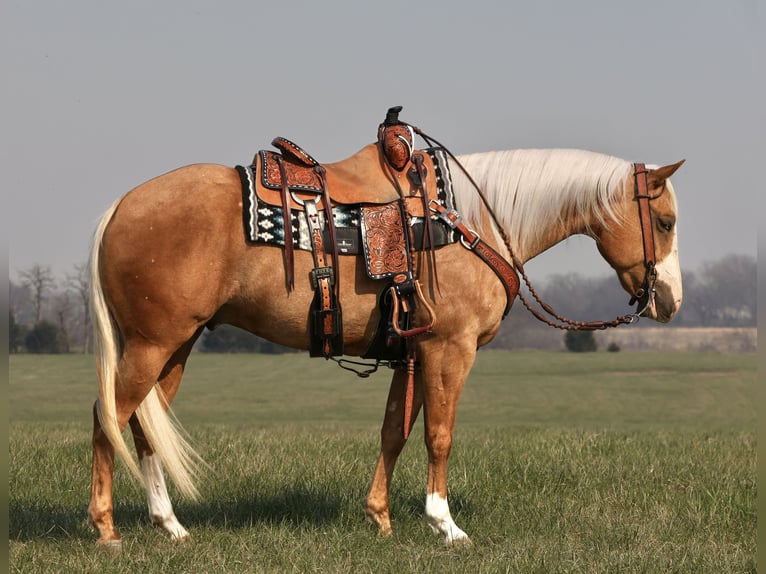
column 319, row 273
column 447, row 214
column 404, row 284
column 473, row 244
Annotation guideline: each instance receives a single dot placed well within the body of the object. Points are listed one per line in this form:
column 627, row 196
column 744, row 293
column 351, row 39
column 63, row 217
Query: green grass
column 605, row 462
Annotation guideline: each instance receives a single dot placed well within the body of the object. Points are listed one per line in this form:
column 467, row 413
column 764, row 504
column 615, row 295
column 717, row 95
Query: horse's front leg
column 392, row 442
column 444, row 374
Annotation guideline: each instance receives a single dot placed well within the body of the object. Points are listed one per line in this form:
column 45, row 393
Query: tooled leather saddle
column 385, row 190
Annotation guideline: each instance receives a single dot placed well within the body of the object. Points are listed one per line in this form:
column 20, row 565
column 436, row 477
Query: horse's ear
column 657, row 177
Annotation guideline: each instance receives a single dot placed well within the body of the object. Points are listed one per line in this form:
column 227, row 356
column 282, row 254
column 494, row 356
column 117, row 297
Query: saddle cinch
column 387, row 185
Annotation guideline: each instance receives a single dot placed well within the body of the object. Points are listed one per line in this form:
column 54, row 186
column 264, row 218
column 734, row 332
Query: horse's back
column 183, row 188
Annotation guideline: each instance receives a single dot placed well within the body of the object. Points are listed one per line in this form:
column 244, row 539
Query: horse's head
column 623, row 247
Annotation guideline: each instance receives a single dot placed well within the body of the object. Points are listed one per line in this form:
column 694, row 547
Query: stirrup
column 405, row 333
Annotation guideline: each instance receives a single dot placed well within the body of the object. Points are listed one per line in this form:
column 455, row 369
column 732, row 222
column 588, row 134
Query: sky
column 100, row 96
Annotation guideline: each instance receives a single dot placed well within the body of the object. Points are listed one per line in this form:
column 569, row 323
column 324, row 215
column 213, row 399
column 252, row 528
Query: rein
column 644, row 296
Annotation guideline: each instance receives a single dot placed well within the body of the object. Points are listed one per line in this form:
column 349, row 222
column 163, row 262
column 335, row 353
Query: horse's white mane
column 530, row 189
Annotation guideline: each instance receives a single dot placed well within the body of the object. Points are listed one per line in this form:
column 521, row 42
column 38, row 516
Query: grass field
column 601, row 462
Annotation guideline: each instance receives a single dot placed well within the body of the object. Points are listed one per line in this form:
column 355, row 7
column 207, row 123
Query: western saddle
column 394, row 187
column 391, row 183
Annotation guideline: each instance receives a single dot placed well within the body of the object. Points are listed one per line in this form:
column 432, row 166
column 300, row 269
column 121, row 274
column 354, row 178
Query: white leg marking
column 440, row 520
column 160, row 508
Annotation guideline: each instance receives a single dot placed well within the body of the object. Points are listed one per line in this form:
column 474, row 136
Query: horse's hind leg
column 100, row 509
column 392, row 442
column 138, row 370
column 160, row 508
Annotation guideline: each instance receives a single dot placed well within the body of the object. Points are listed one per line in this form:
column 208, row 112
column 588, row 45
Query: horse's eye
column 665, row 225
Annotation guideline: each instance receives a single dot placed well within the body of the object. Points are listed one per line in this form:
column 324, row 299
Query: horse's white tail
column 162, row 431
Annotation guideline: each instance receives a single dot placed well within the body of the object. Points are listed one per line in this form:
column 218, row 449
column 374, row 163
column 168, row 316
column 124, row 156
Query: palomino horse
column 169, row 258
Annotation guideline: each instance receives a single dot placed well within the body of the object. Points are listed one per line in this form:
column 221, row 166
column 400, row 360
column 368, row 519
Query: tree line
column 50, row 315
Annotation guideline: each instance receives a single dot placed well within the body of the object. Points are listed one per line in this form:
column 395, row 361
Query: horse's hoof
column 460, row 542
column 185, row 539
column 110, row 546
column 171, row 525
column 383, row 524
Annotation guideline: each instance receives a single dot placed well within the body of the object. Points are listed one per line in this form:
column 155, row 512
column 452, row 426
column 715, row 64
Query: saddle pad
column 264, row 223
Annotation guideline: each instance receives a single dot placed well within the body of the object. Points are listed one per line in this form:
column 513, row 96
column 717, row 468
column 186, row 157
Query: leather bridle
column 645, row 294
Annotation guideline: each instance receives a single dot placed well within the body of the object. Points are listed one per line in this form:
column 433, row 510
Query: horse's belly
column 265, row 306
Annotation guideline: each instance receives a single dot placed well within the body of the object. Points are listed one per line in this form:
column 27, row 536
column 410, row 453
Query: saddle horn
column 397, row 139
column 392, row 116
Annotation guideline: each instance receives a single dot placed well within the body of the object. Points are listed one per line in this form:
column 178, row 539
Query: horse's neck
column 539, row 197
column 555, row 233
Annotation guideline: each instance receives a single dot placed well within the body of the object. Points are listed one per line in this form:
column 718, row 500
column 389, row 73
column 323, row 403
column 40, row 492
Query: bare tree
column 79, row 282
column 19, row 302
column 727, row 290
column 39, row 280
column 62, row 306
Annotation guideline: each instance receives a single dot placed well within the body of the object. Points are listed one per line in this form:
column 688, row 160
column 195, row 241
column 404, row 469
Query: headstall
column 644, row 296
